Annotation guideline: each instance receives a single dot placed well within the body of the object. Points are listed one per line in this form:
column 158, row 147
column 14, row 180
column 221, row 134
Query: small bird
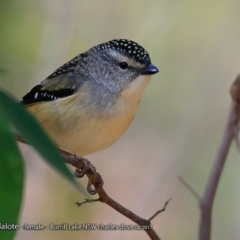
column 89, row 102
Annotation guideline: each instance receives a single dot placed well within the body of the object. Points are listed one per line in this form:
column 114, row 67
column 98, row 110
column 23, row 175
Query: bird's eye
column 123, row 65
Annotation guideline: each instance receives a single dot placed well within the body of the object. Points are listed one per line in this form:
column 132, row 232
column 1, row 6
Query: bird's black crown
column 128, row 48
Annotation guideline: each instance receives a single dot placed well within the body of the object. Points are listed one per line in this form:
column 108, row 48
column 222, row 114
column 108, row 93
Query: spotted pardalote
column 89, row 102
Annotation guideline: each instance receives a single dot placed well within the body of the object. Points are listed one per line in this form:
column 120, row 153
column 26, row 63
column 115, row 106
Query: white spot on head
column 36, row 94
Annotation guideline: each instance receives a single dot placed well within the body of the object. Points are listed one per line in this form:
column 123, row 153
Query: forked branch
column 231, row 133
column 84, row 167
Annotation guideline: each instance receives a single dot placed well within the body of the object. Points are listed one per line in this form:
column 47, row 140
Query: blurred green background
column 196, row 45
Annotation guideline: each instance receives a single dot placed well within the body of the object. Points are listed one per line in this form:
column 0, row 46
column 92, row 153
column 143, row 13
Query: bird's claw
column 93, row 191
column 79, row 173
column 89, row 169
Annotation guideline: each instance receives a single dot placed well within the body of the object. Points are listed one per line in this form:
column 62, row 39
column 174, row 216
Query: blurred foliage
column 11, row 164
column 11, row 180
column 181, row 118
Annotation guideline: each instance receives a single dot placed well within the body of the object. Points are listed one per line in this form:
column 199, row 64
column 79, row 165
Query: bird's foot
column 88, row 167
column 94, row 179
column 97, row 186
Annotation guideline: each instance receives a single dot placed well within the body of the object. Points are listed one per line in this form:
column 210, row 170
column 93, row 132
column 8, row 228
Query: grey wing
column 61, row 83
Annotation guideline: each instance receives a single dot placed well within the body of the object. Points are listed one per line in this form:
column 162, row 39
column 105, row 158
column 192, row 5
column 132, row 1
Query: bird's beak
column 150, row 70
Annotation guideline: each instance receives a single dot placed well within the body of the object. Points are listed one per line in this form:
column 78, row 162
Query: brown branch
column 83, row 166
column 231, row 132
column 96, row 180
column 206, row 202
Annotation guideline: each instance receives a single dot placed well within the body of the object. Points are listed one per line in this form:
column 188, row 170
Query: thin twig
column 87, row 201
column 190, row 189
column 159, row 211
